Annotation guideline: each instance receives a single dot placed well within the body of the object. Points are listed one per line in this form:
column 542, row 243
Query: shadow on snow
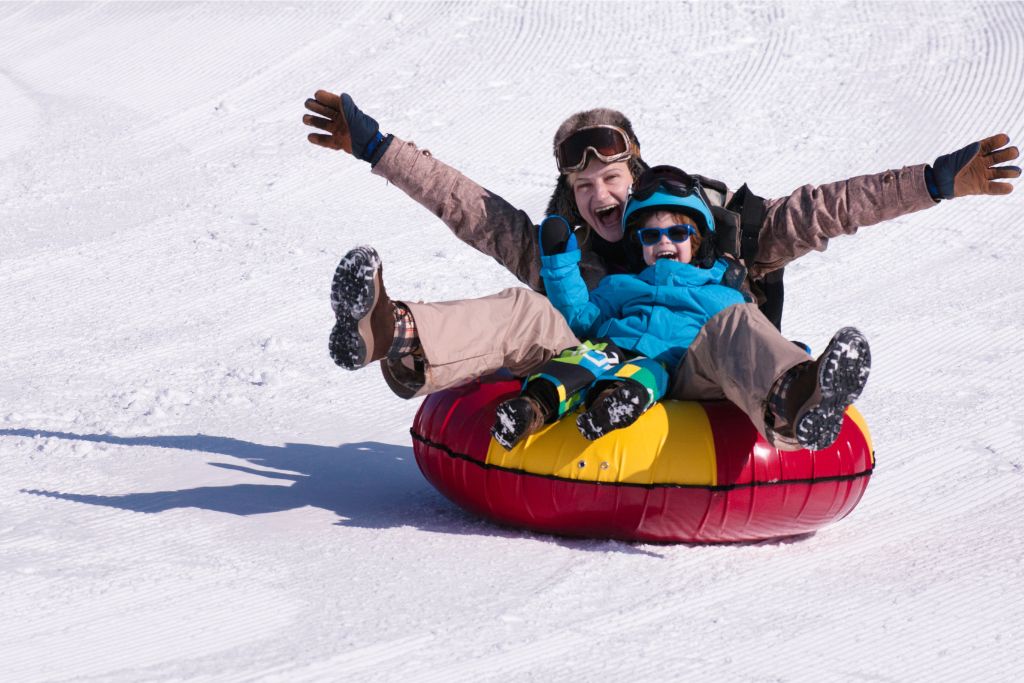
column 373, row 485
column 369, row 485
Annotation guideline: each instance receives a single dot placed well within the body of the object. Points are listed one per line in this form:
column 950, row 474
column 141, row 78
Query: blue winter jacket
column 656, row 313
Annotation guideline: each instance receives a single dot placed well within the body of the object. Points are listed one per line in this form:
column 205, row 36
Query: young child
column 645, row 323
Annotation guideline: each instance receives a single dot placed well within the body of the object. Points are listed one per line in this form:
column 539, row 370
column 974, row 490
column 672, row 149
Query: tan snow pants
column 738, row 355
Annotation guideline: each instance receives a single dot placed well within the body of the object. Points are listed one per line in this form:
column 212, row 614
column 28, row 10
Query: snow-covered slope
column 190, row 489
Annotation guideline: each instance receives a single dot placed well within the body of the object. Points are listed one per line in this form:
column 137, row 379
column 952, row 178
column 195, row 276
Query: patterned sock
column 406, row 341
column 781, row 401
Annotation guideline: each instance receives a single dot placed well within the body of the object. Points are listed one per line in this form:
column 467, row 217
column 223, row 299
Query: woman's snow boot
column 809, row 401
column 365, row 317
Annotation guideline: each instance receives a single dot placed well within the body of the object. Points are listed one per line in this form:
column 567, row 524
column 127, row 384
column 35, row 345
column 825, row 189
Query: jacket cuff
column 381, row 146
column 909, row 187
column 396, row 154
column 556, row 262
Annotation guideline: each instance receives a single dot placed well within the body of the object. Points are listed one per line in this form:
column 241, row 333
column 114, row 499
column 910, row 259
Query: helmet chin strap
column 706, row 254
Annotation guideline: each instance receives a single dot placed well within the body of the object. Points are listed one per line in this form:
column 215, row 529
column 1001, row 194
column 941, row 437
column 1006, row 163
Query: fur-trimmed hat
column 563, row 202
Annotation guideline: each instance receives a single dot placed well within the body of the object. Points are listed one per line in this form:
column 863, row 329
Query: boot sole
column 354, row 292
column 842, row 374
column 619, row 409
column 510, row 424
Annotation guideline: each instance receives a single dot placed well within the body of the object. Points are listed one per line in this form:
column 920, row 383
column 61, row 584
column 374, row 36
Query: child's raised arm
column 565, row 287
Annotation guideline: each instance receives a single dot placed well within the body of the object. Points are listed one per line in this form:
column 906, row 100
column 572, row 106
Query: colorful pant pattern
column 579, row 373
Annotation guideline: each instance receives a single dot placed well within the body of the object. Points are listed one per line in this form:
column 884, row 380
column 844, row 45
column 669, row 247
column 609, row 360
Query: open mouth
column 609, row 216
column 665, row 255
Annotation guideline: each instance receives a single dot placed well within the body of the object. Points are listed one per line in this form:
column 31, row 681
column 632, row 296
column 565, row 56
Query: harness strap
column 751, row 210
column 774, row 292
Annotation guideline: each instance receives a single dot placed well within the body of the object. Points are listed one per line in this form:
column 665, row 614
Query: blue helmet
column 669, row 189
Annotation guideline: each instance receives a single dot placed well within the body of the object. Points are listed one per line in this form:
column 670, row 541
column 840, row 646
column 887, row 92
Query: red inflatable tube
column 707, row 478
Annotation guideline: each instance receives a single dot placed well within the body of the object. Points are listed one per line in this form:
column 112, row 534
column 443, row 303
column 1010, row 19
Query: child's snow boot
column 808, row 402
column 519, row 417
column 366, row 317
column 617, row 406
column 516, row 419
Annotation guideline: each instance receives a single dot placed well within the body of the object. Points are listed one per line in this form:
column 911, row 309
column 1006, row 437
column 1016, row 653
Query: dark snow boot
column 365, row 325
column 516, row 419
column 810, row 400
column 615, row 407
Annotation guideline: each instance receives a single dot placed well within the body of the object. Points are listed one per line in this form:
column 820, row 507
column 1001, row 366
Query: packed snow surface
column 191, row 490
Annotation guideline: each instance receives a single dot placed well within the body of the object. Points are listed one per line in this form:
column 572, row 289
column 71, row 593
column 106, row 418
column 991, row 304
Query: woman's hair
column 678, row 217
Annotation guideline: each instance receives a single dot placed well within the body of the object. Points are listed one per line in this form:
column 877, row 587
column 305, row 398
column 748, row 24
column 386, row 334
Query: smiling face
column 666, row 248
column 601, row 190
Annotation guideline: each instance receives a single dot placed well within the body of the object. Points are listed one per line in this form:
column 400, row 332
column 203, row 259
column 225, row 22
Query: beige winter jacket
column 804, row 221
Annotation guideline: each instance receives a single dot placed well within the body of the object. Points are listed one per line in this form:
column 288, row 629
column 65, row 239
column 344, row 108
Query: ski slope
column 191, row 490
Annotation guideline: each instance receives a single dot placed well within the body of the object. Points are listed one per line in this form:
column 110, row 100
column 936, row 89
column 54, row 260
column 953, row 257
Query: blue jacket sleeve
column 568, row 293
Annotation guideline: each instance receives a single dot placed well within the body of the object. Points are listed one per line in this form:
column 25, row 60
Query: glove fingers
column 321, row 109
column 998, row 188
column 1004, row 172
column 995, row 142
column 329, row 99
column 1002, row 155
column 336, row 118
column 316, row 122
column 327, row 141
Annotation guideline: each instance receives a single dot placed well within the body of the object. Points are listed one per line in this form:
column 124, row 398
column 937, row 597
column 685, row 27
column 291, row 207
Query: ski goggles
column 677, row 233
column 669, row 178
column 607, row 143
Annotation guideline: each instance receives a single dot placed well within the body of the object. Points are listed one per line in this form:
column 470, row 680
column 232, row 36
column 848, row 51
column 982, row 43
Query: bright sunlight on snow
column 191, row 490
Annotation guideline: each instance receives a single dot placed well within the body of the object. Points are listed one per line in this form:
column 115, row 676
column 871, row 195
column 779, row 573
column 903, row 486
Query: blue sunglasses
column 677, row 233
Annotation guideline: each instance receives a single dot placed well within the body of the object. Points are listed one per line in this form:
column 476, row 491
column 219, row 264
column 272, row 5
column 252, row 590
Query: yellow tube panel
column 859, row 420
column 670, row 444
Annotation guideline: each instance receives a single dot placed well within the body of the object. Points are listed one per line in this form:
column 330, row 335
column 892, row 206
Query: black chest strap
column 751, row 209
column 752, row 212
column 774, row 292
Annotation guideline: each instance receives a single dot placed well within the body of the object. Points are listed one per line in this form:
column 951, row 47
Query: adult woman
column 427, row 347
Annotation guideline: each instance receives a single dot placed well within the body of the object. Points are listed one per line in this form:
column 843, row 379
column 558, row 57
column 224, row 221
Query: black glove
column 556, row 236
column 973, row 170
column 367, row 142
column 350, row 129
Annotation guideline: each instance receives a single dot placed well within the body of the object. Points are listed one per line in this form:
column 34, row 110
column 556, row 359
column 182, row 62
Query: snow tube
column 684, row 472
